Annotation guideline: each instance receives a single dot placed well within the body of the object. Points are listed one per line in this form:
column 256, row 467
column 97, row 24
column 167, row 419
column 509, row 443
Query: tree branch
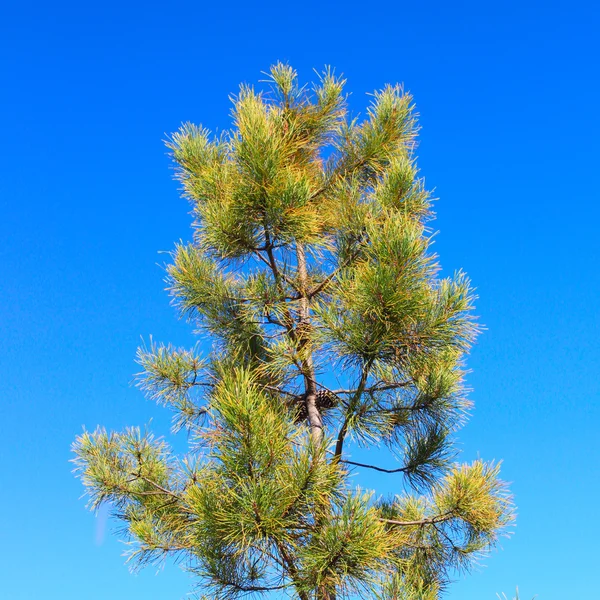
column 428, row 521
column 376, row 388
column 321, row 286
column 156, row 485
column 351, row 405
column 375, row 468
column 288, row 561
column 272, row 263
column 273, row 388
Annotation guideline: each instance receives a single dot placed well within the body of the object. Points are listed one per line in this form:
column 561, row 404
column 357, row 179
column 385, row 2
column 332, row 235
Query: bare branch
column 375, row 468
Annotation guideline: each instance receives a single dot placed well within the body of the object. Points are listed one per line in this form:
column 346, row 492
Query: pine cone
column 325, row 401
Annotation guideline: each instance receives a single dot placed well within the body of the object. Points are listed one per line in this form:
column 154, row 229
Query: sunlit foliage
column 312, row 275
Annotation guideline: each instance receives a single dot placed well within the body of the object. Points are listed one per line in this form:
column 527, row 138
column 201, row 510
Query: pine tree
column 311, row 273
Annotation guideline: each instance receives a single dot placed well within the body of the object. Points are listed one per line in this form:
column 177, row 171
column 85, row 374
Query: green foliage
column 311, row 261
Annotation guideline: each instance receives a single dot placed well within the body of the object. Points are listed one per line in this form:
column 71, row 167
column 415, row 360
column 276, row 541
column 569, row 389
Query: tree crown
column 312, row 273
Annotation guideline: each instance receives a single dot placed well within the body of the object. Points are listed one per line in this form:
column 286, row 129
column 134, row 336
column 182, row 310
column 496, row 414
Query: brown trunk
column 310, row 385
column 325, row 594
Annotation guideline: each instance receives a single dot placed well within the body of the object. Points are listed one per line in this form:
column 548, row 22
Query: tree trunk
column 310, row 385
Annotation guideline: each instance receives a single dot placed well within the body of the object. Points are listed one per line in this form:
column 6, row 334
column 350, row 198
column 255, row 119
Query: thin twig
column 375, row 468
column 376, row 388
column 156, row 485
column 428, row 521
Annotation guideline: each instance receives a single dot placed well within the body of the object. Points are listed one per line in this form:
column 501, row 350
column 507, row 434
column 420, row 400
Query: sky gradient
column 508, row 95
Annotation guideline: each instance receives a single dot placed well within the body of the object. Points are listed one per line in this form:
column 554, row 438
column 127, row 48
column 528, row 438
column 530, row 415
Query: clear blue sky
column 509, row 96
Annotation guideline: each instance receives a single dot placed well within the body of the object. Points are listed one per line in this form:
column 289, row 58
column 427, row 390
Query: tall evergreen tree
column 311, row 272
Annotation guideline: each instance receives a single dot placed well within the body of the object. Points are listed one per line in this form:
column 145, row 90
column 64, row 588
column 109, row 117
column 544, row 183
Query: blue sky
column 508, row 95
